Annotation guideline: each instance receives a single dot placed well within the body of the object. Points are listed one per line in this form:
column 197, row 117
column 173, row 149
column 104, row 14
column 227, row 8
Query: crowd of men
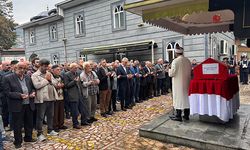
column 35, row 93
column 32, row 94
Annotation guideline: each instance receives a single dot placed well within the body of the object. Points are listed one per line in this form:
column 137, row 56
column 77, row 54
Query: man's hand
column 76, row 79
column 32, row 95
column 91, row 82
column 24, row 96
column 108, row 73
column 48, row 76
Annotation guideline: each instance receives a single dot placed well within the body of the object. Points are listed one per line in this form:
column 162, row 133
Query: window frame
column 52, row 58
column 113, row 16
column 76, row 15
column 50, row 32
column 78, row 56
column 34, row 37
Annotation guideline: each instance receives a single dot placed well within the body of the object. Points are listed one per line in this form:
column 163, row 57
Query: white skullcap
column 179, row 50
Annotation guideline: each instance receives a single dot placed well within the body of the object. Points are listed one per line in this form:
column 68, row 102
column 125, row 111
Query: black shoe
column 109, row 113
column 176, row 118
column 18, row 146
column 172, row 116
column 67, row 116
column 93, row 119
column 90, row 121
column 30, row 140
column 104, row 115
column 44, row 122
column 57, row 130
column 124, row 109
column 150, row 97
column 115, row 110
column 63, row 127
column 77, row 127
column 130, row 107
column 186, row 118
column 85, row 124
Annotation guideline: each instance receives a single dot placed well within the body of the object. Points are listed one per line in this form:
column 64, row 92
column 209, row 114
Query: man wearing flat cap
column 180, row 72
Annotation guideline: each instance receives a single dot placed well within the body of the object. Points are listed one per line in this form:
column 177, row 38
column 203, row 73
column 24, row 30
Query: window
column 80, row 56
column 118, row 16
column 32, row 36
column 83, row 57
column 55, row 59
column 224, row 47
column 79, row 24
column 170, row 50
column 53, row 32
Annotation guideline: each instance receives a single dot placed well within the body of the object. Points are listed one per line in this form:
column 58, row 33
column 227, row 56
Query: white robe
column 181, row 75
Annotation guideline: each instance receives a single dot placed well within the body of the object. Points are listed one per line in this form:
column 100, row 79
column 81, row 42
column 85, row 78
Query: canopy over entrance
column 196, row 16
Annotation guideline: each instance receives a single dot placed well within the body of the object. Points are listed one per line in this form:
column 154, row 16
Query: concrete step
column 202, row 135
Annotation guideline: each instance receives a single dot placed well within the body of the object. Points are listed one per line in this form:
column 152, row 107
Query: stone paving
column 118, row 132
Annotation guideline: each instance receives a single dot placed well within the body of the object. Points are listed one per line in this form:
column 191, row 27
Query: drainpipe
column 61, row 13
column 152, row 51
column 64, row 44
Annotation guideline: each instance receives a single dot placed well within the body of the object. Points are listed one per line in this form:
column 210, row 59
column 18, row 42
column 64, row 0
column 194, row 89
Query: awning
column 116, row 48
column 183, row 16
column 156, row 9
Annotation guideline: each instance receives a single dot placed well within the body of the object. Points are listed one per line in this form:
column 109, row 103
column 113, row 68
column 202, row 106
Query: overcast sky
column 25, row 9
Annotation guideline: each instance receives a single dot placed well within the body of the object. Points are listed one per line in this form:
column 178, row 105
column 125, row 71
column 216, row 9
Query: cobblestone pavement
column 245, row 94
column 118, row 132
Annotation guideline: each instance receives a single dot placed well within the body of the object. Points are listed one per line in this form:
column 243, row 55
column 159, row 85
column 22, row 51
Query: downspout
column 24, row 44
column 60, row 12
column 64, row 44
column 152, row 52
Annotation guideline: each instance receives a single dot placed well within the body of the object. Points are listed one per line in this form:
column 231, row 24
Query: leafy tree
column 7, row 25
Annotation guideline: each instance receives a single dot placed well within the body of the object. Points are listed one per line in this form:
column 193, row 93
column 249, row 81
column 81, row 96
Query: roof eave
column 70, row 3
column 40, row 21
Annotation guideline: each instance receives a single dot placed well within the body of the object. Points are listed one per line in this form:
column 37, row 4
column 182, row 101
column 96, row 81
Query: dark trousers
column 150, row 91
column 122, row 94
column 66, row 102
column 160, row 86
column 241, row 75
column 112, row 104
column 5, row 112
column 25, row 117
column 136, row 89
column 58, row 114
column 168, row 83
column 1, row 141
column 143, row 92
column 81, row 106
column 45, row 108
column 245, row 77
column 128, row 94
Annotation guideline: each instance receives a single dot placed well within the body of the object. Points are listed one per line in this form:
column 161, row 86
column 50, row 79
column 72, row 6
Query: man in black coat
column 20, row 92
column 122, row 75
column 76, row 101
column 5, row 113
